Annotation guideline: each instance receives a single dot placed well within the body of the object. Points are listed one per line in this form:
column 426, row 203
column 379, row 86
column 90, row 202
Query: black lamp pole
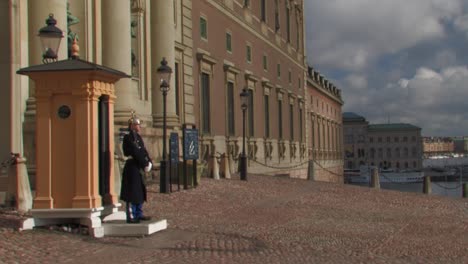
column 165, row 75
column 243, row 158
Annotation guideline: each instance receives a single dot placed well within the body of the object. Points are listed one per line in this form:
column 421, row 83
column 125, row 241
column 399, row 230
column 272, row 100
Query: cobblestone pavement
column 267, row 220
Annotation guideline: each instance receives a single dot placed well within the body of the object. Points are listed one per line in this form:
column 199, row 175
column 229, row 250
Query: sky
column 397, row 61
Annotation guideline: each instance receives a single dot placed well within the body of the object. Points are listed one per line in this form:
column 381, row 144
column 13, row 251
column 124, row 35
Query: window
column 397, row 139
column 289, row 76
column 205, row 103
column 372, row 153
column 246, row 3
column 312, row 128
column 301, row 132
column 397, row 152
column 266, row 101
column 388, row 139
column 280, row 119
column 263, row 10
column 291, row 122
column 299, row 83
column 251, row 113
column 414, row 152
column 380, row 153
column 249, row 54
column 371, row 139
column 288, row 23
column 379, row 139
column 389, row 153
column 277, row 22
column 228, row 42
column 413, row 138
column 265, row 63
column 177, row 88
column 203, row 28
column 414, row 164
column 230, row 108
column 298, row 39
column 405, row 139
column 278, row 70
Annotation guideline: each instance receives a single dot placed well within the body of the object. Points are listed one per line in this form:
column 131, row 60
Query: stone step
column 121, row 228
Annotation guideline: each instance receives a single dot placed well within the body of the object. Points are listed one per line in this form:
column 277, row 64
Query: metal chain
column 327, row 170
column 8, row 162
column 273, row 167
column 448, row 188
column 392, row 181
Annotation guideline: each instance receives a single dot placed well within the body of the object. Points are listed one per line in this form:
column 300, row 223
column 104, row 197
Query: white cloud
column 358, row 82
column 352, row 33
column 435, row 101
column 398, row 60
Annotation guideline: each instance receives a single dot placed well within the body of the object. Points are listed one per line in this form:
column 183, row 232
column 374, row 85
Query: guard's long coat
column 133, row 189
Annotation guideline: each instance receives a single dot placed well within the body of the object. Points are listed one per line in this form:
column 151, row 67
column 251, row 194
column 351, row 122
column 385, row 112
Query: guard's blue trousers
column 134, row 210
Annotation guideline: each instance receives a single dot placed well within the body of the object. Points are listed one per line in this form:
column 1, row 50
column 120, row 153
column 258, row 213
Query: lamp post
column 50, row 36
column 244, row 95
column 164, row 74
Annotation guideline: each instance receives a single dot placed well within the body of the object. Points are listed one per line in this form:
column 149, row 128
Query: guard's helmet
column 134, row 120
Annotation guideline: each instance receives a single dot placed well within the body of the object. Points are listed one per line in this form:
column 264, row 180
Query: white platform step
column 121, row 228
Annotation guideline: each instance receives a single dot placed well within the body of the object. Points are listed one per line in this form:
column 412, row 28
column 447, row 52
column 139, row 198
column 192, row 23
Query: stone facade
column 437, row 145
column 388, row 146
column 216, row 48
column 324, row 128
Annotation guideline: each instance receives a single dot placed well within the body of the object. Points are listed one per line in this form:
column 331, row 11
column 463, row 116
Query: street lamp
column 164, row 74
column 50, row 36
column 244, row 95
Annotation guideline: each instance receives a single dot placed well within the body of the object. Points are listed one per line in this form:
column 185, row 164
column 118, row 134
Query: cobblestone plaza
column 267, row 220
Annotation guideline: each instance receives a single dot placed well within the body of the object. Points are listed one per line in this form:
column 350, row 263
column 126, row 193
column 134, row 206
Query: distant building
column 460, row 144
column 437, row 146
column 389, row 146
column 325, row 128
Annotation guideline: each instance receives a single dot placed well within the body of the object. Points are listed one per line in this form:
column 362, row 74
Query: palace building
column 216, row 49
column 393, row 146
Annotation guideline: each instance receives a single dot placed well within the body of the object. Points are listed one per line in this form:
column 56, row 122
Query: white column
column 116, row 53
column 162, row 45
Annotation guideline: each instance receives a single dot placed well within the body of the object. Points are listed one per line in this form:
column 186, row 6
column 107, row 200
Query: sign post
column 174, row 159
column 190, row 153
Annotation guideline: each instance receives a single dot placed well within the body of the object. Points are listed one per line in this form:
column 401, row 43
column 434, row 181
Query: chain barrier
column 327, row 170
column 392, row 181
column 403, row 183
column 296, row 166
column 279, row 168
column 448, row 188
column 9, row 161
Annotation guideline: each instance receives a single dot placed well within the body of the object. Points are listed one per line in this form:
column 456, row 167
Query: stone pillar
column 86, row 147
column 162, row 45
column 427, row 189
column 43, row 199
column 375, row 179
column 116, row 53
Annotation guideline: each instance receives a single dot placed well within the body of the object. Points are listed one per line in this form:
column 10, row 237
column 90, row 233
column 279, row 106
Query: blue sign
column 174, row 147
column 190, row 144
